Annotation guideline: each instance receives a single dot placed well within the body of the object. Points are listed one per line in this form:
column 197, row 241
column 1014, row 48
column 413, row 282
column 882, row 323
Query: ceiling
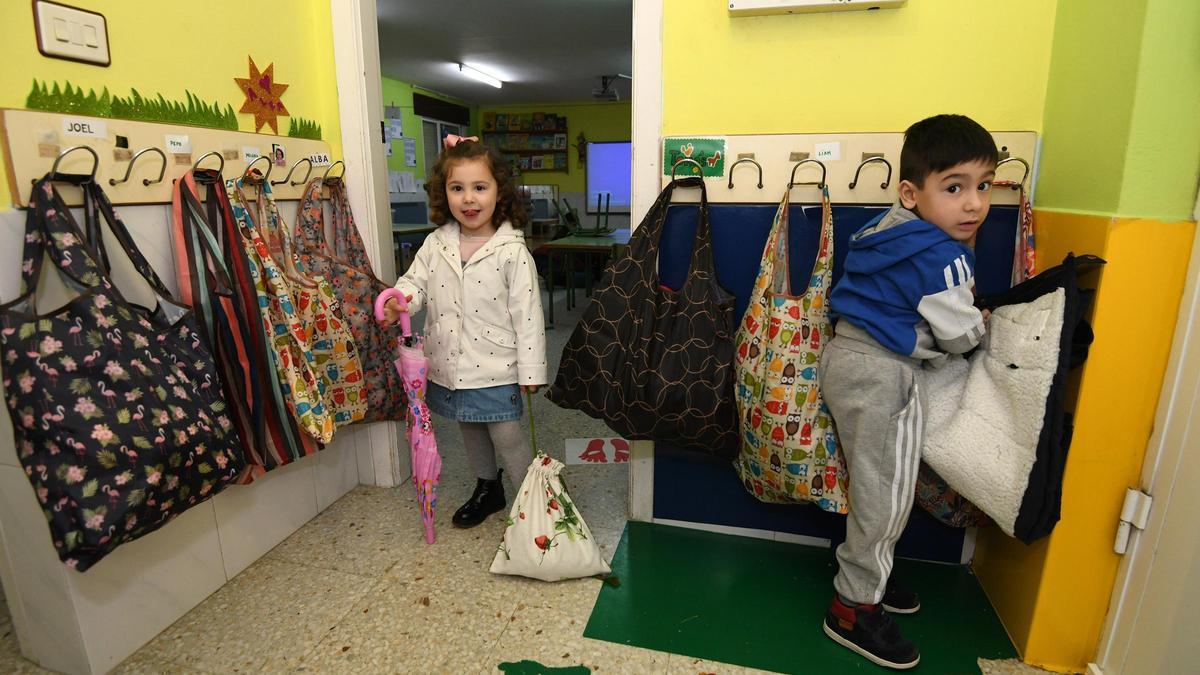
column 543, row 50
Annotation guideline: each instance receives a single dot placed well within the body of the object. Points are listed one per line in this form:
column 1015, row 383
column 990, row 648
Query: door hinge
column 1134, row 513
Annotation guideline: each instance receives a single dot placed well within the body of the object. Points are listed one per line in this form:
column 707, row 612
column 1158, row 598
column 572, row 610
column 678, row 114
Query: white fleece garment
column 984, row 416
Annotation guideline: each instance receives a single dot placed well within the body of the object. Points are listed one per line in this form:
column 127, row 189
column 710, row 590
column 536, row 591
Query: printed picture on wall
column 278, row 155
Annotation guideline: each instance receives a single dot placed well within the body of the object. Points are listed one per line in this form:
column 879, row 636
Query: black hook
column 293, row 170
column 1022, row 162
column 73, row 148
column 821, row 183
column 145, row 181
column 884, row 185
column 686, row 159
column 745, row 159
column 266, row 177
column 206, row 155
column 325, row 176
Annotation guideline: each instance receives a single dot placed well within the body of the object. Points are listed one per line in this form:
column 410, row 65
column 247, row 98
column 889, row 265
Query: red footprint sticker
column 594, row 452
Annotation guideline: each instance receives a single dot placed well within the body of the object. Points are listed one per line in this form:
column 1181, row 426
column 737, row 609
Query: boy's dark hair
column 942, row 141
column 508, row 205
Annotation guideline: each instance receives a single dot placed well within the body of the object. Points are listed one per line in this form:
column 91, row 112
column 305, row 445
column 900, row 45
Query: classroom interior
column 322, row 564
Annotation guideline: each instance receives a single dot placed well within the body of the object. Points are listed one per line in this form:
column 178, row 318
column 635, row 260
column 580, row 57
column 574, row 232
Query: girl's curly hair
column 508, row 205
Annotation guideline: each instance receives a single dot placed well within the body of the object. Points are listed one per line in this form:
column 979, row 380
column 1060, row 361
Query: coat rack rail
column 858, row 168
column 36, row 140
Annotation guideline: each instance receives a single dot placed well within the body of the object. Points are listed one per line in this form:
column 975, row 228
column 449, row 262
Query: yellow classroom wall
column 170, row 47
column 854, row 71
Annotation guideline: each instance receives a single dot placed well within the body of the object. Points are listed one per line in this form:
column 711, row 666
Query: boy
column 905, row 298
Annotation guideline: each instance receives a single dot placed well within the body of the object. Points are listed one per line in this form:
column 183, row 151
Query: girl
column 484, row 333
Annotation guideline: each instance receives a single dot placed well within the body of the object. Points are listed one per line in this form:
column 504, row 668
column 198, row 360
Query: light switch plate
column 71, row 33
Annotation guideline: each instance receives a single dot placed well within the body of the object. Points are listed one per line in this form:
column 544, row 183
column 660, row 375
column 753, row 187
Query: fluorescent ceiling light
column 480, row 76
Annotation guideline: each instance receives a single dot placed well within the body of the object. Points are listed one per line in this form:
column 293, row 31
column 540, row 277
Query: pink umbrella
column 426, row 462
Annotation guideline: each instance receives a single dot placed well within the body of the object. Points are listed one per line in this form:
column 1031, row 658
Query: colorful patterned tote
column 230, row 323
column 118, row 417
column 294, row 361
column 789, row 449
column 335, row 355
column 354, row 286
column 656, row 363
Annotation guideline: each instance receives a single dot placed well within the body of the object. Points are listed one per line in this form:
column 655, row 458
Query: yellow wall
column 167, row 47
column 1054, row 595
column 854, row 71
column 600, row 121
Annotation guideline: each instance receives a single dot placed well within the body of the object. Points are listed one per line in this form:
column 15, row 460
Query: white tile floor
column 356, row 589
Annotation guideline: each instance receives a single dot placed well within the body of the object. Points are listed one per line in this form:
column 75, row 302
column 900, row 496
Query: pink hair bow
column 451, row 140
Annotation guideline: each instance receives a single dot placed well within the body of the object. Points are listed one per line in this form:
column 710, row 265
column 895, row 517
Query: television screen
column 609, row 166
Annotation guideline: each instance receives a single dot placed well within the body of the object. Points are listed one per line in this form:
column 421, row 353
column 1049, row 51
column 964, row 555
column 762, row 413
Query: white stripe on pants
column 876, row 400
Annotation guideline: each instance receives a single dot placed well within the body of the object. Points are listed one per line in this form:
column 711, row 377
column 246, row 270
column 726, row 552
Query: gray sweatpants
column 487, row 441
column 877, row 401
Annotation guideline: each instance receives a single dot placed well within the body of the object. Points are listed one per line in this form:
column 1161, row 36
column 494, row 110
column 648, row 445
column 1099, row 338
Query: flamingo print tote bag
column 118, row 418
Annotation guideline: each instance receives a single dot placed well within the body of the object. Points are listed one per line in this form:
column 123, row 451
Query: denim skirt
column 489, row 404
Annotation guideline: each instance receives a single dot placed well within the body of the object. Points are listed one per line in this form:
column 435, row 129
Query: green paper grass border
column 194, row 111
column 298, row 127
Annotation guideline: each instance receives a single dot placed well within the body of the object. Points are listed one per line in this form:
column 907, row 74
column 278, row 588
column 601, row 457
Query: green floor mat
column 760, row 604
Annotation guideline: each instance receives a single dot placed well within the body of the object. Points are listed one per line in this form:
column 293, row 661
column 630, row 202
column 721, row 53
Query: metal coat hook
column 133, row 160
column 73, row 148
column 325, row 176
column 684, row 160
column 792, row 181
column 1020, row 161
column 745, row 159
column 266, row 177
column 884, row 185
column 206, row 155
column 292, row 170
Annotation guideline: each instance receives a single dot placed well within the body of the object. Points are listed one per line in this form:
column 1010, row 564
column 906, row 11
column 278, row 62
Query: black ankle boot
column 487, row 499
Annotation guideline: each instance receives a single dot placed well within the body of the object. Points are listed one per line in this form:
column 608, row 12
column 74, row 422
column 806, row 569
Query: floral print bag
column 118, row 418
column 546, row 537
column 789, row 449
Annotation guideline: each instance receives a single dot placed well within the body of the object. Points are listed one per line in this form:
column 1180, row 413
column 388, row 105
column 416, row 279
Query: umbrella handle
column 405, row 320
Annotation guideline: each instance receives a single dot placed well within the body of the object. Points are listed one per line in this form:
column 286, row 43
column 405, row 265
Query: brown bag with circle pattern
column 655, row 363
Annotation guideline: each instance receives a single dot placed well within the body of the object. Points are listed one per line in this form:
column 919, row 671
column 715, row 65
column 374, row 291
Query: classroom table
column 569, row 246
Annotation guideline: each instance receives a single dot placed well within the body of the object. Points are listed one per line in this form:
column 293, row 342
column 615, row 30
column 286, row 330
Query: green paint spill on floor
column 760, row 604
column 535, row 668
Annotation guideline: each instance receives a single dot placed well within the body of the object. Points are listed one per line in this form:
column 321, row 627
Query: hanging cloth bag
column 789, row 450
column 229, row 323
column 335, row 355
column 355, row 286
column 655, row 363
column 546, row 537
column 292, row 356
column 114, row 417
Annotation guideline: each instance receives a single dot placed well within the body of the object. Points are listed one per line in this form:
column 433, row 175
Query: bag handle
column 821, row 276
column 647, row 237
column 100, row 206
column 50, row 228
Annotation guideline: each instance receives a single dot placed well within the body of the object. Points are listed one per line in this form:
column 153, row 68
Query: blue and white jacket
column 909, row 286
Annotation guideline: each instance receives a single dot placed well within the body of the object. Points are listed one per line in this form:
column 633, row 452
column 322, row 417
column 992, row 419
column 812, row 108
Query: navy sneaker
column 870, row 631
column 899, row 600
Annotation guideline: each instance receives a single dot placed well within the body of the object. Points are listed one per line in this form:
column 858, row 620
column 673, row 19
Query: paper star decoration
column 262, row 96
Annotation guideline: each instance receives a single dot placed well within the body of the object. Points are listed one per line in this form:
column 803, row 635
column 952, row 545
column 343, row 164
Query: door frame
column 647, row 159
column 360, row 109
column 1175, row 428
